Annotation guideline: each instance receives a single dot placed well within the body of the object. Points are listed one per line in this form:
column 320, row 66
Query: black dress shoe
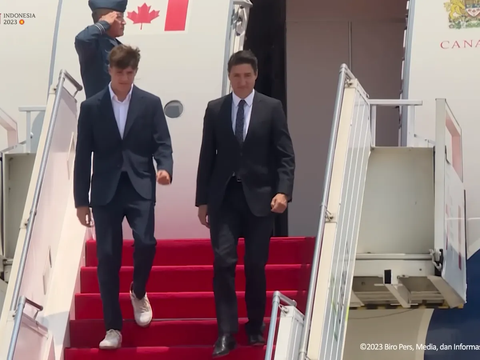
column 256, row 340
column 224, row 345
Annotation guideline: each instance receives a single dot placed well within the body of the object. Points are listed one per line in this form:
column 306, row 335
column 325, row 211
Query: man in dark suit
column 95, row 42
column 125, row 129
column 245, row 175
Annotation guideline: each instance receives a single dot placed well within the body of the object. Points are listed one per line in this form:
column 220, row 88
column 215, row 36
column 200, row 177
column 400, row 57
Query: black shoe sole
column 257, row 344
column 220, row 356
column 215, row 356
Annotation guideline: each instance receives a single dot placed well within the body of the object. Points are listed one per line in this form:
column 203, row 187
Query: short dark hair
column 243, row 57
column 124, row 56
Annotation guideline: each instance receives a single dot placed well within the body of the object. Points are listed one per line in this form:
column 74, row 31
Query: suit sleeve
column 208, row 152
column 163, row 153
column 87, row 39
column 83, row 158
column 283, row 148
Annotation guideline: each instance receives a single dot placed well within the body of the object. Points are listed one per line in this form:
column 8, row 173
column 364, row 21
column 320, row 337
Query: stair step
column 176, row 305
column 180, row 292
column 199, row 278
column 89, row 333
column 294, row 250
column 163, row 353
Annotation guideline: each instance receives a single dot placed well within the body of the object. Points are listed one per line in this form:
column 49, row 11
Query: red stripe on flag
column 176, row 15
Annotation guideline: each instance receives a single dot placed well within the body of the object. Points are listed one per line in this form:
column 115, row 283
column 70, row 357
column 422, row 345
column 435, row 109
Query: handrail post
column 373, row 124
column 278, row 297
column 271, row 328
column 406, row 133
column 16, row 328
column 28, row 130
column 10, row 125
column 17, row 322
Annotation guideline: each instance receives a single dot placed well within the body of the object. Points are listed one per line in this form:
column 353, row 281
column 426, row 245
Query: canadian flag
column 159, row 15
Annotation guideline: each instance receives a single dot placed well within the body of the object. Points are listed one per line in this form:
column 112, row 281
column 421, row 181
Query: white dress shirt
column 247, row 109
column 120, row 109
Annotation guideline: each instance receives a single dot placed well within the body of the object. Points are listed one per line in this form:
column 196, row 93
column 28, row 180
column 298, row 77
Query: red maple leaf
column 143, row 16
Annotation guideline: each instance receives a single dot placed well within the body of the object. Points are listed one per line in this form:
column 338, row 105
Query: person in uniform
column 93, row 44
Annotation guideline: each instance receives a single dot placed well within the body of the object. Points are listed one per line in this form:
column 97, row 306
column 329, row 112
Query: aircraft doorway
column 367, row 35
column 265, row 36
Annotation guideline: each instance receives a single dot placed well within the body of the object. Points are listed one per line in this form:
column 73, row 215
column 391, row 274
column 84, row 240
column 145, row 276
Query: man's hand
column 111, row 17
column 85, row 216
column 279, row 203
column 163, row 177
column 203, row 215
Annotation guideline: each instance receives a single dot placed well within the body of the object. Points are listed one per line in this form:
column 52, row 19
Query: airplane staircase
column 39, row 258
column 180, row 292
column 392, row 227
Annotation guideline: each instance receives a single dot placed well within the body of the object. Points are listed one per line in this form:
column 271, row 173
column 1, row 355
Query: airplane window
column 173, row 109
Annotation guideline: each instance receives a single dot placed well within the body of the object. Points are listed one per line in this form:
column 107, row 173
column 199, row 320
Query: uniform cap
column 115, row 5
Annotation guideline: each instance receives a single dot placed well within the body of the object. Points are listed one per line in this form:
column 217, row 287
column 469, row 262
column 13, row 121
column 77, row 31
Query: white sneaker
column 113, row 340
column 141, row 310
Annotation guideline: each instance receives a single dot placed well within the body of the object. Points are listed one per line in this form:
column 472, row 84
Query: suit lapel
column 107, row 110
column 226, row 116
column 134, row 110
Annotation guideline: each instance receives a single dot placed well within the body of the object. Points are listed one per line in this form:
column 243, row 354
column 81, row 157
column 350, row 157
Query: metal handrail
column 345, row 74
column 400, row 103
column 278, row 297
column 11, row 126
column 38, row 187
column 18, row 322
column 244, row 3
column 72, row 80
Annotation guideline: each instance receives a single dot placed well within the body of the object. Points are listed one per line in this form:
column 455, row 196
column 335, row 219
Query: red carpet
column 180, row 292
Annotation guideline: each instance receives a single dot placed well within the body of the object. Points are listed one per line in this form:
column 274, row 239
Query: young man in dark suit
column 245, row 175
column 125, row 129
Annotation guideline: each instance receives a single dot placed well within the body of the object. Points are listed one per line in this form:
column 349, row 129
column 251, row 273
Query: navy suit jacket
column 146, row 138
column 265, row 162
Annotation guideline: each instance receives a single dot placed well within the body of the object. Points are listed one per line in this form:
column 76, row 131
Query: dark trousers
column 108, row 228
column 232, row 219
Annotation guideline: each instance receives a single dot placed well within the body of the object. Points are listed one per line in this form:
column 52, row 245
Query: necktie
column 240, row 121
